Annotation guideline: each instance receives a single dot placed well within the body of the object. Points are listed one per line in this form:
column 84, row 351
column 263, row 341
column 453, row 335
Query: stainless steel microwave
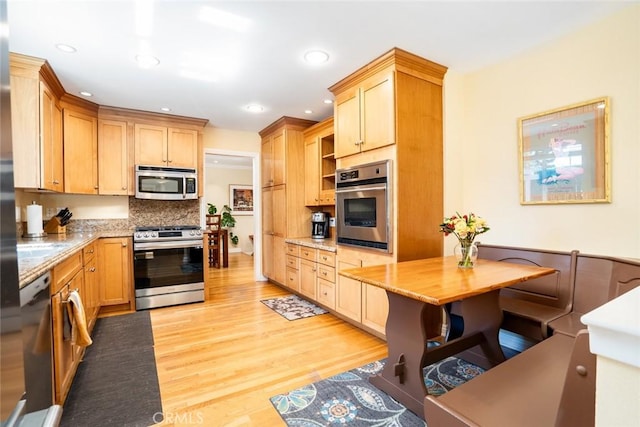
column 164, row 183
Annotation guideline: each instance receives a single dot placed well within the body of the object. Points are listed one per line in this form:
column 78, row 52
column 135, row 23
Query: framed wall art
column 241, row 199
column 564, row 155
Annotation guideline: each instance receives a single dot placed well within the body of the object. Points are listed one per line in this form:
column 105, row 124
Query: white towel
column 79, row 333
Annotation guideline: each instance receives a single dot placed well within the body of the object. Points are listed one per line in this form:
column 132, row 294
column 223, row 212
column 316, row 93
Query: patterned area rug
column 293, row 307
column 349, row 398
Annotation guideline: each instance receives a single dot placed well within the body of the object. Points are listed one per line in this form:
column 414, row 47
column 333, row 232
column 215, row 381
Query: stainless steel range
column 168, row 266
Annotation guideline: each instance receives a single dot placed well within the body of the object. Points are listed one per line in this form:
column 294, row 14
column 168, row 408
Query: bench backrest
column 555, row 290
column 600, row 279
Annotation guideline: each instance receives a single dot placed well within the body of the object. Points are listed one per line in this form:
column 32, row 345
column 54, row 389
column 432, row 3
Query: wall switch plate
column 332, row 221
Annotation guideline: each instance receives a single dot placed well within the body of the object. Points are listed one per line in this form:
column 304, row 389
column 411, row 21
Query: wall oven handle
column 361, row 188
column 143, row 246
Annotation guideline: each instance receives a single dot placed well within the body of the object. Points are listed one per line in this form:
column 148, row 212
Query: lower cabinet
column 115, row 272
column 349, row 291
column 91, row 297
column 67, row 276
column 312, row 273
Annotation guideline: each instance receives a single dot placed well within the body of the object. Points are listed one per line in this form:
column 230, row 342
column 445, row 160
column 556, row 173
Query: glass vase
column 466, row 253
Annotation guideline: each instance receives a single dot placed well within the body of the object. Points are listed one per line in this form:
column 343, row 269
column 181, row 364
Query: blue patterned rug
column 292, row 307
column 349, row 399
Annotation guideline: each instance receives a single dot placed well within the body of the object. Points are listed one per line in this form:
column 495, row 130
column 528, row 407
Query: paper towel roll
column 34, row 219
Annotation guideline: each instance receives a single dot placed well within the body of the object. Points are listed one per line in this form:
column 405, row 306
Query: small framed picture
column 241, row 199
column 564, row 155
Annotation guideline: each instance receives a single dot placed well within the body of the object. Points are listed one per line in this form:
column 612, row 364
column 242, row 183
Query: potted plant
column 226, row 220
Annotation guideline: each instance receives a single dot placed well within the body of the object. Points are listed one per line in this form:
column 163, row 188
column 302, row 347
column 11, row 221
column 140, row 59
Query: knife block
column 53, row 226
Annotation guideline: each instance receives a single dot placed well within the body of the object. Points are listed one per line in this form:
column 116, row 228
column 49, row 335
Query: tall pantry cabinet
column 285, row 214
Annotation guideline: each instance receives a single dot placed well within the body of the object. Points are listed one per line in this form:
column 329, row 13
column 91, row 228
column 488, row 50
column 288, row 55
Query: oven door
column 363, row 216
column 168, row 273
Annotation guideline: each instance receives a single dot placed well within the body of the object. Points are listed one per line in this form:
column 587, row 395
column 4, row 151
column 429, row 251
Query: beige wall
column 226, row 139
column 481, row 139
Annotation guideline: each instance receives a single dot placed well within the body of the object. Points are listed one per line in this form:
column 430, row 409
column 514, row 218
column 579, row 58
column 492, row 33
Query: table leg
column 225, row 251
column 409, row 324
column 482, row 314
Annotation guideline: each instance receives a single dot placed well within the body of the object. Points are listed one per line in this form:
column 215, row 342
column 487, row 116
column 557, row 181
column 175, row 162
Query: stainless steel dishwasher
column 35, row 310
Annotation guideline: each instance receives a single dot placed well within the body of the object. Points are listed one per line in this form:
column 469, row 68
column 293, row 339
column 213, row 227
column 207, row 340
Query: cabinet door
column 326, row 293
column 349, row 292
column 267, row 161
column 182, row 148
column 279, row 152
column 377, row 117
column 114, row 265
column 52, row 168
column 150, row 145
column 279, row 210
column 308, row 278
column 267, row 255
column 62, row 347
column 25, row 129
column 92, row 292
column 113, row 153
column 375, row 307
column 279, row 260
column 80, row 153
column 311, row 172
column 347, row 123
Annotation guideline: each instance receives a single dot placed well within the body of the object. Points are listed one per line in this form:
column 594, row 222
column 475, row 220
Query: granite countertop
column 37, row 256
column 324, row 244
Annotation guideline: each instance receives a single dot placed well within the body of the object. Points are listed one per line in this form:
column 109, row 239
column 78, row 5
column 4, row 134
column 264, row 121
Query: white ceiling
column 264, row 63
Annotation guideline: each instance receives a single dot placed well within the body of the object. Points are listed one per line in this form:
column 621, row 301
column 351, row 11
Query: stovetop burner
column 168, row 228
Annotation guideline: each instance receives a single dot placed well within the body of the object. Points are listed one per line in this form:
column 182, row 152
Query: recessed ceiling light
column 316, row 57
column 254, row 108
column 66, row 48
column 85, row 93
column 308, row 111
column 147, row 61
column 165, row 109
column 328, row 101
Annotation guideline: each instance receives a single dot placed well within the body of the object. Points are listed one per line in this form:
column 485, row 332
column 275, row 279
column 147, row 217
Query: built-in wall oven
column 168, row 266
column 363, row 209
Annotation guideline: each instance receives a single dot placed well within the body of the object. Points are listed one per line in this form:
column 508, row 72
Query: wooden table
column 417, row 290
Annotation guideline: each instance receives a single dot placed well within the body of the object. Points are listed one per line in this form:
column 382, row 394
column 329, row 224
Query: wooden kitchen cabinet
column 375, row 308
column 115, row 172
column 365, row 115
column 319, row 164
column 115, row 260
column 348, row 291
column 66, row 277
column 308, row 272
column 392, row 109
column 80, row 151
column 91, row 298
column 36, row 124
column 282, row 178
column 165, row 146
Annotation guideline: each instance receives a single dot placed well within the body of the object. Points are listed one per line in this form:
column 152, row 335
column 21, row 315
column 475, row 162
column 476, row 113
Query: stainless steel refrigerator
column 21, row 404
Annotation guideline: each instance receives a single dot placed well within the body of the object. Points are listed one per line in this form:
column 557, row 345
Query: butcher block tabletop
column 439, row 281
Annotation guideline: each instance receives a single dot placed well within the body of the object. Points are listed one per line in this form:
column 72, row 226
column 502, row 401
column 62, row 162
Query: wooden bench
column 530, row 306
column 598, row 280
column 551, row 383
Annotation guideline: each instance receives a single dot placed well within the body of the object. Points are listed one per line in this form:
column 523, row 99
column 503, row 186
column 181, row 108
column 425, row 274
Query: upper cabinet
column 116, row 170
column 80, row 136
column 166, row 146
column 36, row 124
column 365, row 115
column 319, row 164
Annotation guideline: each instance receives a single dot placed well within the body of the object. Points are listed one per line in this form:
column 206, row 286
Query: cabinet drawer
column 292, row 262
column 308, row 253
column 326, row 293
column 327, row 258
column 89, row 251
column 64, row 272
column 327, row 273
column 293, row 249
column 293, row 279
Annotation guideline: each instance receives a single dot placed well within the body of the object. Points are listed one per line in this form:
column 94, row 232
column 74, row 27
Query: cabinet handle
column 170, row 161
column 124, row 245
column 92, row 269
column 95, row 187
column 55, row 181
column 124, row 188
column 90, row 251
column 324, row 273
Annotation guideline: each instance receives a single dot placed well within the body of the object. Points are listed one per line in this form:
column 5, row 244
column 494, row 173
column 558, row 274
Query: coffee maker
column 319, row 225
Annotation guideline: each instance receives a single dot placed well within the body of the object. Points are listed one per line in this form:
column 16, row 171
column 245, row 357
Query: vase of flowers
column 465, row 228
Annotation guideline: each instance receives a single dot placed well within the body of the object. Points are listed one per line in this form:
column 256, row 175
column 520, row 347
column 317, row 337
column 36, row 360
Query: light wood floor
column 220, row 361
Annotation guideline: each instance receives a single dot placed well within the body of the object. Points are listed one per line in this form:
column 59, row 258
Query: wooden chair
column 213, row 231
